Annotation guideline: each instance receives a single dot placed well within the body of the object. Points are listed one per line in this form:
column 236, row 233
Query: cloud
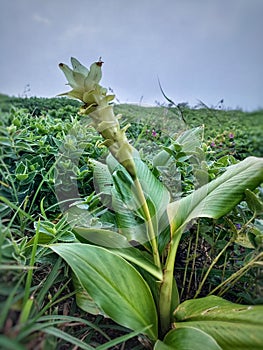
column 79, row 32
column 74, row 31
column 41, row 19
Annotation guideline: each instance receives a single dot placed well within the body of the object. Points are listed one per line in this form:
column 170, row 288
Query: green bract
column 85, row 87
column 84, row 82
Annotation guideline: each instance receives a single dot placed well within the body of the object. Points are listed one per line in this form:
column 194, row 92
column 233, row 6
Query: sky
column 204, row 50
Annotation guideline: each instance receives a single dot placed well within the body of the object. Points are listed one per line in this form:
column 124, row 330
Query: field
column 48, row 156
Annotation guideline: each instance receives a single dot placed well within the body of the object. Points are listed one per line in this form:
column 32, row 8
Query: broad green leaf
column 115, row 285
column 187, row 338
column 118, row 193
column 159, row 345
column 219, row 196
column 190, row 139
column 84, row 300
column 103, row 182
column 156, row 194
column 233, row 326
column 129, row 218
column 119, row 244
column 154, row 190
column 127, row 221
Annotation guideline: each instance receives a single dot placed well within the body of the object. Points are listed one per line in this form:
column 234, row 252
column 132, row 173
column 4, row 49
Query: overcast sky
column 200, row 49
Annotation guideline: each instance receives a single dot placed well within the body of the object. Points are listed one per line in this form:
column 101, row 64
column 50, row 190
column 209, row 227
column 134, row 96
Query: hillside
column 247, row 127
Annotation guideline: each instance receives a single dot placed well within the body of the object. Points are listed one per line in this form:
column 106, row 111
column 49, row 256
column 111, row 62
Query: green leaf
column 10, row 344
column 129, row 222
column 212, row 200
column 84, row 300
column 156, row 194
column 21, row 171
column 126, row 219
column 119, row 244
column 5, row 141
column 112, row 343
column 115, row 285
column 253, row 202
column 58, row 333
column 118, row 193
column 255, row 234
column 153, row 189
column 233, row 326
column 219, row 196
column 103, row 182
column 185, row 142
column 187, row 338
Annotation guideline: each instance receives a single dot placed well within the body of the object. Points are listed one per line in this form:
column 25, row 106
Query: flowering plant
column 127, row 272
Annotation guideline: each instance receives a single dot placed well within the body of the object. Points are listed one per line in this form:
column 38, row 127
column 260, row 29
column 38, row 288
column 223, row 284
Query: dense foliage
column 46, row 168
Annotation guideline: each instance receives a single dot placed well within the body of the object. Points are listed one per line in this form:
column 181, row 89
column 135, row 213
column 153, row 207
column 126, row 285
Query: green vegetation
column 64, row 200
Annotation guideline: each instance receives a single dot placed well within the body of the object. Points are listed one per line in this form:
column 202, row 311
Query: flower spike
column 85, row 87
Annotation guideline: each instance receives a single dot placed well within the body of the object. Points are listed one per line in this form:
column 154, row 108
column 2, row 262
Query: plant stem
column 150, row 229
column 166, row 292
column 18, row 209
column 194, row 258
column 236, row 276
column 30, row 272
column 211, row 266
column 186, row 266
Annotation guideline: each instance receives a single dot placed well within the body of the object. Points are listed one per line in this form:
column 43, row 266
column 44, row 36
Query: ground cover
column 46, row 153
